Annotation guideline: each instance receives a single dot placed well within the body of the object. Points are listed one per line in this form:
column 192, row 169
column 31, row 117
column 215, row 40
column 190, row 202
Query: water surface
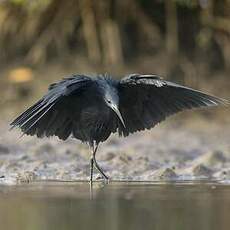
column 62, row 206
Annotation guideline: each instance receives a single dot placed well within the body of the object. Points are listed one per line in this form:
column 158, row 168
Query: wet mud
column 198, row 150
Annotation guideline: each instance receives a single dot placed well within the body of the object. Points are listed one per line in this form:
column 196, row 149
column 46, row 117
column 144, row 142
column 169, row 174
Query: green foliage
column 31, row 4
column 187, row 3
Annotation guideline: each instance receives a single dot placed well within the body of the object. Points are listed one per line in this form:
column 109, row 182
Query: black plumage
column 90, row 109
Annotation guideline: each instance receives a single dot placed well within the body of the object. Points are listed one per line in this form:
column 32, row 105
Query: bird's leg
column 91, row 169
column 92, row 147
column 96, row 164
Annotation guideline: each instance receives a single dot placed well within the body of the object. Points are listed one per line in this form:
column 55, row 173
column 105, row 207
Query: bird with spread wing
column 90, row 109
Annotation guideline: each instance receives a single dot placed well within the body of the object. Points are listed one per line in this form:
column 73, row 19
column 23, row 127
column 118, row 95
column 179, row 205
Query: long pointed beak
column 116, row 110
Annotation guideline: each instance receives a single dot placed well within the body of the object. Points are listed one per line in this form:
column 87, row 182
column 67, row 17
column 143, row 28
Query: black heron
column 90, row 109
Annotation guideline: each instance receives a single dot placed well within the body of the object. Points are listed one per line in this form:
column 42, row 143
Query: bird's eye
column 109, row 101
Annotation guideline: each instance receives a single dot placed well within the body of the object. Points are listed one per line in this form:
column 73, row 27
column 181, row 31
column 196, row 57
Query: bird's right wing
column 51, row 115
column 146, row 100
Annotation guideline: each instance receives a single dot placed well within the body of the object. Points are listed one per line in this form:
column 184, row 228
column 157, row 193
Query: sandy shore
column 194, row 150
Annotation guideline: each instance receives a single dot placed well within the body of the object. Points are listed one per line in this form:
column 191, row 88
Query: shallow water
column 115, row 206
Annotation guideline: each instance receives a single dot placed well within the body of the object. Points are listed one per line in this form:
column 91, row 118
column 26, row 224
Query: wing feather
column 146, row 100
column 52, row 114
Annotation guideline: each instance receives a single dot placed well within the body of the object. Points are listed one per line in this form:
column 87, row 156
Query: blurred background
column 187, row 41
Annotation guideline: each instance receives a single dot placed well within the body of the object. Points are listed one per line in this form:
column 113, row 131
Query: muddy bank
column 192, row 150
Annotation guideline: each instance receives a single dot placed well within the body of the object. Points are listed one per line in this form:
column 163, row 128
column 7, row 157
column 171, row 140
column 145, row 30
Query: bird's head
column 111, row 98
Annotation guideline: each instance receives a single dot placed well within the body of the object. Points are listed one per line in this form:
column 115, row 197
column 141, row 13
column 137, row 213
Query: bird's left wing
column 52, row 114
column 146, row 100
